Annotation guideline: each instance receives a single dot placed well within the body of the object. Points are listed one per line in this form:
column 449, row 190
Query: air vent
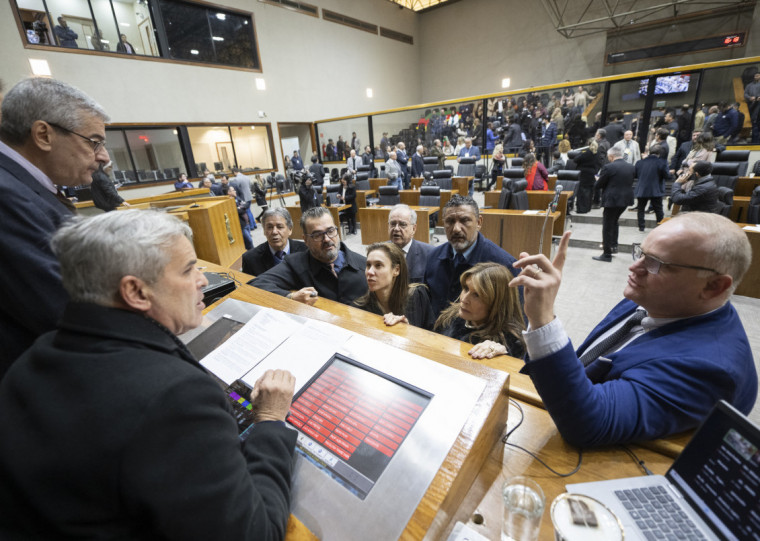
column 398, row 36
column 334, row 17
column 306, row 9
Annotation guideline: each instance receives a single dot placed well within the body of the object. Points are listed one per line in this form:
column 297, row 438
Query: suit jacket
column 418, row 165
column 663, row 382
column 702, row 197
column 651, row 173
column 302, row 270
column 472, row 152
column 353, row 163
column 680, row 155
column 393, row 170
column 442, row 275
column 258, row 260
column 167, row 462
column 32, row 297
column 104, row 194
column 416, row 260
column 616, row 179
column 120, row 47
column 631, row 153
column 350, row 198
column 615, row 132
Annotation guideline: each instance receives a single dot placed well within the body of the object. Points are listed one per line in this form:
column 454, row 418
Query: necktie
column 66, row 201
column 332, row 268
column 614, row 339
column 279, row 256
column 459, row 260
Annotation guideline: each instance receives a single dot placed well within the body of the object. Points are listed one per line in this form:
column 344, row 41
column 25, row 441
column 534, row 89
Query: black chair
column 334, row 176
column 519, row 199
column 480, row 177
column 753, row 210
column 466, row 167
column 726, row 197
column 515, row 162
column 573, row 154
column 430, row 163
column 569, row 180
column 364, row 178
column 505, row 197
column 430, row 196
column 726, row 174
column 363, row 169
column 331, row 195
column 388, row 195
column 118, row 175
column 443, row 177
column 739, row 156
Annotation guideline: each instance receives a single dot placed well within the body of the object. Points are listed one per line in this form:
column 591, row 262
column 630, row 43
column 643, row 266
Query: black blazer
column 418, row 165
column 616, row 179
column 141, row 442
column 416, row 260
column 309, row 197
column 258, row 260
column 350, row 198
column 32, row 297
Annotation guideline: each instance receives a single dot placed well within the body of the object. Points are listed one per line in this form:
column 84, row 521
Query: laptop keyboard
column 657, row 515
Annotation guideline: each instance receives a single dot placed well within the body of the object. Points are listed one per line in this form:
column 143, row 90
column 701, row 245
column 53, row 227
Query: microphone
column 555, row 201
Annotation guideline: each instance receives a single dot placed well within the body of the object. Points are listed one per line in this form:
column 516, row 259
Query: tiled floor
column 590, row 288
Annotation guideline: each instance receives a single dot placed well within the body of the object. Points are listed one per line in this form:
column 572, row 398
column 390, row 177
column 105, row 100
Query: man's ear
column 717, row 285
column 480, row 221
column 135, row 293
column 42, row 135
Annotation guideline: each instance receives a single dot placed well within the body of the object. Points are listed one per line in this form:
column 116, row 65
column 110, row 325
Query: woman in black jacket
column 261, row 197
column 588, row 166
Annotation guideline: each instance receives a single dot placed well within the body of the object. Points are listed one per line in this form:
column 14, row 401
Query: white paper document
column 250, row 345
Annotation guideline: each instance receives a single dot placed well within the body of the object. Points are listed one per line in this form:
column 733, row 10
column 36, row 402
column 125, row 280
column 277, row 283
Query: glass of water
column 523, row 508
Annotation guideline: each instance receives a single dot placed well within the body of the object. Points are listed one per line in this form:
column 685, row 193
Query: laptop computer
column 712, row 490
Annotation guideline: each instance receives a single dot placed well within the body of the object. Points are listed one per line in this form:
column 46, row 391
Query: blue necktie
column 279, row 257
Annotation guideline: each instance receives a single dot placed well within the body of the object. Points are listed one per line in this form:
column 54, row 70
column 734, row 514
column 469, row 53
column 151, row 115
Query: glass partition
column 37, row 25
column 118, row 150
column 728, row 85
column 156, row 153
column 136, row 33
column 212, row 148
column 74, row 23
column 253, row 146
column 337, row 137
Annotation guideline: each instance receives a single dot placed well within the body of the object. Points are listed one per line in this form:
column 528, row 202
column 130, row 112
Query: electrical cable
column 637, row 460
column 544, row 464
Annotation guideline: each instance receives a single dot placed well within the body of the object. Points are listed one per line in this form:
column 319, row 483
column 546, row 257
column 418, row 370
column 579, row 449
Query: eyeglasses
column 97, row 144
column 319, row 236
column 653, row 264
column 401, row 225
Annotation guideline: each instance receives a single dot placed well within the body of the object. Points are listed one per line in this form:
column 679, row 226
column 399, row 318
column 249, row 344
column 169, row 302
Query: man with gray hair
column 51, row 135
column 418, row 163
column 328, row 268
column 278, row 226
column 393, row 171
column 402, row 225
column 616, row 185
column 168, row 461
column 663, row 356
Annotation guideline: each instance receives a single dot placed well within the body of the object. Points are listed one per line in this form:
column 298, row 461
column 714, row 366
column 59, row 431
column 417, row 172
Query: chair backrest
column 725, row 200
column 505, row 197
column 573, row 154
column 514, row 173
column 726, row 174
column 519, row 200
column 443, row 177
column 363, row 169
column 567, row 174
column 332, row 191
column 430, row 160
column 362, row 176
column 466, row 167
column 569, row 185
column 388, row 195
column 753, row 210
column 755, row 197
column 733, row 156
column 442, row 173
column 480, row 171
column 430, row 196
column 362, row 184
column 515, row 162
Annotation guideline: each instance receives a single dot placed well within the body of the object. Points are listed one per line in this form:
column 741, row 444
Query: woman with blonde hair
column 499, row 159
column 390, row 293
column 559, row 120
column 487, row 313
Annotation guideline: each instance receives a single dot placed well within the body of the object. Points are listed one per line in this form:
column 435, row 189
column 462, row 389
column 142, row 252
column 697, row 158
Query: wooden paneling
column 518, row 232
column 374, row 222
column 537, row 200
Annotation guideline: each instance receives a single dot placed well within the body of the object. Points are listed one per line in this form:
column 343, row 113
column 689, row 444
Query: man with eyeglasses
column 662, row 357
column 328, row 269
column 52, row 135
column 402, row 225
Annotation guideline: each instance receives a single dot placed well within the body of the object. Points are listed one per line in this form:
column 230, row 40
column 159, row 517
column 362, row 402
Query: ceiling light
column 40, row 67
column 194, row 51
column 261, row 84
column 217, row 38
column 369, row 93
column 505, row 82
column 221, row 16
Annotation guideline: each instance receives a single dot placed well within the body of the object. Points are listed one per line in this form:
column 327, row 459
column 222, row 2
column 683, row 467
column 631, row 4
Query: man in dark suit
column 402, row 225
column 465, row 248
column 168, row 461
column 403, row 160
column 327, row 269
column 616, row 183
column 317, row 172
column 278, row 226
column 51, row 135
column 418, row 164
column 682, row 152
column 651, row 174
column 615, row 129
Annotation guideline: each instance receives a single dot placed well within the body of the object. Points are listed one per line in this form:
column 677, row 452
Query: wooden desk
column 537, row 200
column 412, row 198
column 458, row 184
column 740, row 208
column 374, row 222
column 375, row 183
column 552, row 183
column 362, row 195
column 518, row 232
column 295, row 214
column 745, row 185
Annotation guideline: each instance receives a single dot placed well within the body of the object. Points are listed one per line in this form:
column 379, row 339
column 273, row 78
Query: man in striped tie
column 662, row 357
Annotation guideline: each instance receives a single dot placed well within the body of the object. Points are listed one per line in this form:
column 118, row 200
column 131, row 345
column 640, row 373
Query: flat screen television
column 667, row 84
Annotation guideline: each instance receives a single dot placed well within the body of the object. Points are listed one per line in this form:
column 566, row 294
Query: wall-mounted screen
column 668, row 84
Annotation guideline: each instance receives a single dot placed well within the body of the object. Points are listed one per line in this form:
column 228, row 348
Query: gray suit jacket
column 416, row 260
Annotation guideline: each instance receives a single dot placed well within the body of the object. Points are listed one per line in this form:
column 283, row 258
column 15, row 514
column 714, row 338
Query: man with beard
column 328, row 269
column 466, row 247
